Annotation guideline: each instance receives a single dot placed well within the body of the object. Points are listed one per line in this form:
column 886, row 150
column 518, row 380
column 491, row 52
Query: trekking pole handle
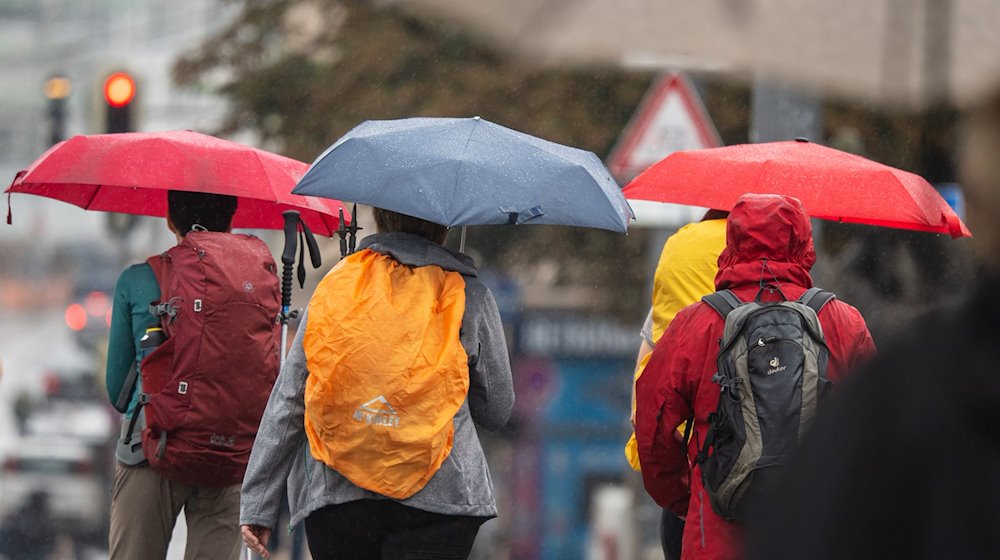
column 291, row 231
column 291, row 218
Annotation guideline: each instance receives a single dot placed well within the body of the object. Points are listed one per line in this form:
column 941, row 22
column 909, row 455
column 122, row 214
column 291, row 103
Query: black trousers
column 384, row 530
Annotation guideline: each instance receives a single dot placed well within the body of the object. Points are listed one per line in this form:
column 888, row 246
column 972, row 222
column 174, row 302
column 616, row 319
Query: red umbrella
column 832, row 185
column 131, row 173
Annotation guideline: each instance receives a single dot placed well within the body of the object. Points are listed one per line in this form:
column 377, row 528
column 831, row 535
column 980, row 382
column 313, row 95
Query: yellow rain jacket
column 387, row 372
column 686, row 272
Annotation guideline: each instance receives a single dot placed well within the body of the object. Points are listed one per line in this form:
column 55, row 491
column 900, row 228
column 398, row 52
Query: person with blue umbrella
column 402, row 348
column 373, row 421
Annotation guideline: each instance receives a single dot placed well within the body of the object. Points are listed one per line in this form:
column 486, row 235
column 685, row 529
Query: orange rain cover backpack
column 387, row 371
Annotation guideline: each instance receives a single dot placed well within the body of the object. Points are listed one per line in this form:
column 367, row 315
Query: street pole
column 780, row 112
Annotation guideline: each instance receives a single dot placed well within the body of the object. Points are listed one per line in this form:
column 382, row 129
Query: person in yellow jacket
column 685, row 272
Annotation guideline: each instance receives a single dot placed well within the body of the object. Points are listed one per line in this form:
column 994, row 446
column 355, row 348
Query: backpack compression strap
column 722, row 301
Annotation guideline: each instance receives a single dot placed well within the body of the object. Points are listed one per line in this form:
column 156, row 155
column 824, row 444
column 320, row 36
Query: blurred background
column 292, row 76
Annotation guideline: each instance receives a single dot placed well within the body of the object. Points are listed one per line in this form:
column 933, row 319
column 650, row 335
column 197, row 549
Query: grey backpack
column 772, row 374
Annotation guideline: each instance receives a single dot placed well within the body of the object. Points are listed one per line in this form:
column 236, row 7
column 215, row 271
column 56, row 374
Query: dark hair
column 715, row 214
column 213, row 212
column 388, row 221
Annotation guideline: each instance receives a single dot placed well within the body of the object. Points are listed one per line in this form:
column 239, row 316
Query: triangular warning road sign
column 670, row 118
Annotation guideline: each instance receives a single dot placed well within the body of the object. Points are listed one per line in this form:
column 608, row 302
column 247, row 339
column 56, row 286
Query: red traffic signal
column 119, row 93
column 119, row 89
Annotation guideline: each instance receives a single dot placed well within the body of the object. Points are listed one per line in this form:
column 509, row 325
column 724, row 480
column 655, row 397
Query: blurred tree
column 302, row 72
column 305, row 71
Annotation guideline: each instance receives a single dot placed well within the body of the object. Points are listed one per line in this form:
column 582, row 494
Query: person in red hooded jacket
column 768, row 239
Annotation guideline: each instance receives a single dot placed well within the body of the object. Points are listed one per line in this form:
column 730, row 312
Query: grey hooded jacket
column 462, row 486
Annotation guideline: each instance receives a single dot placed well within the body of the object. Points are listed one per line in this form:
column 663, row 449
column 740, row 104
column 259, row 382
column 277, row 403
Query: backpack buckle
column 168, row 308
column 731, row 388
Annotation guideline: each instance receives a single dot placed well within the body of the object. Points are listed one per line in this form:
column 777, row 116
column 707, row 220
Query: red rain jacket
column 678, row 376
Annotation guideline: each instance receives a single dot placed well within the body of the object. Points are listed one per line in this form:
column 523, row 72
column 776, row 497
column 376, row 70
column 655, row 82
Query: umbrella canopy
column 467, row 171
column 132, row 172
column 832, row 185
column 912, row 52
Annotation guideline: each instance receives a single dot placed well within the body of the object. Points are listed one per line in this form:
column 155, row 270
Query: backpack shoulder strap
column 722, row 301
column 121, row 403
column 163, row 309
column 816, row 298
column 159, row 265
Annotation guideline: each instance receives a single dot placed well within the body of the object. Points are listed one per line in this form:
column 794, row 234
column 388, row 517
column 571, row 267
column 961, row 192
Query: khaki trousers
column 144, row 508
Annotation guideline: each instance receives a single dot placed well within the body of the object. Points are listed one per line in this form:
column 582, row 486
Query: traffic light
column 56, row 89
column 119, row 92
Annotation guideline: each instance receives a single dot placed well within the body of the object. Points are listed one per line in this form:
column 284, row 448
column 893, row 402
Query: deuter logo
column 776, row 366
column 377, row 412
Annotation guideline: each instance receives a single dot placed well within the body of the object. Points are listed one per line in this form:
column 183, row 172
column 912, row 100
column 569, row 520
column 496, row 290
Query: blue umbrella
column 467, row 171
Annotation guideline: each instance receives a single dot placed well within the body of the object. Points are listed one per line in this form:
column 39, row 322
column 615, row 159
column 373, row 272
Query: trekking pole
column 295, row 229
column 353, row 229
column 342, row 232
column 287, row 262
column 348, row 233
column 291, row 228
column 297, row 236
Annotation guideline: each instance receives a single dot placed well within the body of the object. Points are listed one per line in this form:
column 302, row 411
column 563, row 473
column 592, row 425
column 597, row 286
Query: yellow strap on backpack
column 387, row 371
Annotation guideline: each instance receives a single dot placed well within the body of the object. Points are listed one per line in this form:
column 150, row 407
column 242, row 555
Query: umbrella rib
column 263, row 169
column 461, row 164
column 93, row 196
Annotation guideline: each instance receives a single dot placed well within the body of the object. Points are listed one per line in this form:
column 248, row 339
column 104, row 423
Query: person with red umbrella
column 193, row 352
column 906, row 461
column 217, row 313
column 768, row 255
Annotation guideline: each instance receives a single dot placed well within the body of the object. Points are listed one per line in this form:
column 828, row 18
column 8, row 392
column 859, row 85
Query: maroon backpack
column 206, row 386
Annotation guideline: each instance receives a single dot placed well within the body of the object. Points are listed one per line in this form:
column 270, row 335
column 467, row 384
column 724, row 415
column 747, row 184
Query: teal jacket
column 135, row 290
